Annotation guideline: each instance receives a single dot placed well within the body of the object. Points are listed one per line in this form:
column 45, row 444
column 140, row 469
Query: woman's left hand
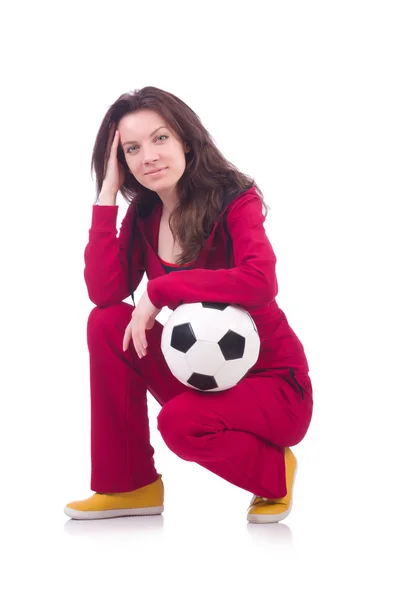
column 143, row 317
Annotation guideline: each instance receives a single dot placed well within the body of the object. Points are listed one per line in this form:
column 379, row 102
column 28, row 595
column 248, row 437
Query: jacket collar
column 149, row 227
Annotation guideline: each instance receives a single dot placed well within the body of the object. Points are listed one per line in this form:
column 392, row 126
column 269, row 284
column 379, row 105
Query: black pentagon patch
column 202, row 382
column 183, row 337
column 232, row 345
column 216, row 305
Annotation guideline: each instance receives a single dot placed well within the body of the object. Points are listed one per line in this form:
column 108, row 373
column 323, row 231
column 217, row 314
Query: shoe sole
column 109, row 514
column 274, row 518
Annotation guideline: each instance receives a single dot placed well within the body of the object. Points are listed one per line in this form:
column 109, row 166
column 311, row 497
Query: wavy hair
column 207, row 176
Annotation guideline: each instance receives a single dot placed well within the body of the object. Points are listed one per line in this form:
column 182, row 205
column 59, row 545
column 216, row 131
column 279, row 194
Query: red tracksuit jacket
column 236, row 266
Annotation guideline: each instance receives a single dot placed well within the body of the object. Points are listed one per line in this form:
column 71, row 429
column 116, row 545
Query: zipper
column 292, row 372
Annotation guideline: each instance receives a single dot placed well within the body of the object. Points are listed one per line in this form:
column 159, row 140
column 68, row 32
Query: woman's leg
column 240, row 433
column 121, row 453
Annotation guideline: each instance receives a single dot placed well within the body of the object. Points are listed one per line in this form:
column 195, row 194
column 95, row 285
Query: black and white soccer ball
column 210, row 346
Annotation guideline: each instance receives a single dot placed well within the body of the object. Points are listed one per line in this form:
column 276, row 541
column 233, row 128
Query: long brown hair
column 207, row 176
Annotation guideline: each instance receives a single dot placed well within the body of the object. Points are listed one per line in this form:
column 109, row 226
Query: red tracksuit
column 239, row 433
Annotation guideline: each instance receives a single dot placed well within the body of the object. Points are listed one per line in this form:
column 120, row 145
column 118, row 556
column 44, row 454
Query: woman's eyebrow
column 135, row 142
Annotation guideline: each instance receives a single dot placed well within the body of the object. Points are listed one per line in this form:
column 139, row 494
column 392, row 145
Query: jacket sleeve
column 252, row 282
column 106, row 257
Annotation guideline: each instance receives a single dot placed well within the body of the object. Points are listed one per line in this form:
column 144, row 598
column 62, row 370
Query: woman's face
column 148, row 143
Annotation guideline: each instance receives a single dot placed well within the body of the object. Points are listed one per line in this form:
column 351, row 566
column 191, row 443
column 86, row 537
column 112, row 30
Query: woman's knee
column 175, row 422
column 102, row 315
column 103, row 319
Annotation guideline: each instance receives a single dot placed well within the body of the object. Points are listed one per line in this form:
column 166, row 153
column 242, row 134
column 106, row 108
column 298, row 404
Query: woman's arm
column 250, row 283
column 105, row 256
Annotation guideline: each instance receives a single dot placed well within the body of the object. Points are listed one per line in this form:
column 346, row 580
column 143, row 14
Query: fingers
column 139, row 341
column 115, row 141
column 110, row 141
column 126, row 338
column 143, row 342
column 140, row 344
column 111, row 147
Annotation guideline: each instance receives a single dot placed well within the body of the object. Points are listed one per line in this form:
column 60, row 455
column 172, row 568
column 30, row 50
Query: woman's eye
column 158, row 137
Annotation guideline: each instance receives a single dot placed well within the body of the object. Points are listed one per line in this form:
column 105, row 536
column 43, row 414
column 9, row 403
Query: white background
column 302, row 96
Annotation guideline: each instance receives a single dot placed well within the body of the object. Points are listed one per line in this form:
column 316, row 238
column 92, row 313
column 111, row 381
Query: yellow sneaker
column 147, row 500
column 264, row 510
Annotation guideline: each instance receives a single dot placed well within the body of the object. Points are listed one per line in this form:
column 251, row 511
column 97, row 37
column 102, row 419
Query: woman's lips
column 158, row 172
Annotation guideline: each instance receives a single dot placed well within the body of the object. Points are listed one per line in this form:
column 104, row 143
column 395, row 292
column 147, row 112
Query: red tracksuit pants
column 238, row 434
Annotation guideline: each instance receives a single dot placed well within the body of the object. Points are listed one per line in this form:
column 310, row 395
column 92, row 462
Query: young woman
column 195, row 226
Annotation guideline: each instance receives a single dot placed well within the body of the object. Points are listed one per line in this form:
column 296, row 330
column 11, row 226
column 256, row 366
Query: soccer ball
column 210, row 346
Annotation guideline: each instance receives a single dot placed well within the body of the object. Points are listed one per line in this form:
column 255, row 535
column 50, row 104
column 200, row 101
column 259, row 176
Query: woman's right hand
column 114, row 170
